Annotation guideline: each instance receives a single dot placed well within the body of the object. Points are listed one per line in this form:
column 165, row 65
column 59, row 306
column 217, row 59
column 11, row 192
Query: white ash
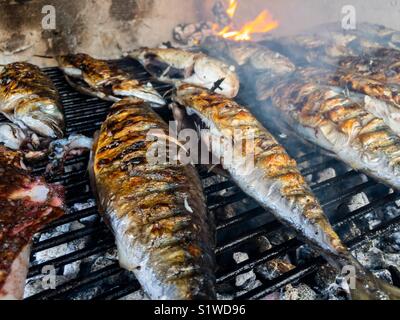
column 263, row 244
column 246, row 280
column 240, row 257
column 384, row 275
column 337, row 290
column 63, row 249
column 325, row 175
column 83, row 205
column 137, row 295
column 40, row 283
column 299, row 292
column 391, row 212
column 54, row 232
column 392, row 244
column 358, row 201
column 104, row 260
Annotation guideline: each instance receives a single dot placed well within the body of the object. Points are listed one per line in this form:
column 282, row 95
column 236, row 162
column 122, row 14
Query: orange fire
column 262, row 24
column 233, row 4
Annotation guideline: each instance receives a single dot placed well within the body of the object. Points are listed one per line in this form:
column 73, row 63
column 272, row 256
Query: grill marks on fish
column 29, row 99
column 104, row 80
column 275, row 182
column 146, row 206
column 340, row 123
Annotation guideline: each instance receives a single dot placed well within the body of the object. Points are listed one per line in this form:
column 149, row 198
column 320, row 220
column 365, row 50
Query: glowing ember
column 262, row 24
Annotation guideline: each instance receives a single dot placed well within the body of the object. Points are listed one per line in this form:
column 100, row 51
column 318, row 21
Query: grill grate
column 236, row 232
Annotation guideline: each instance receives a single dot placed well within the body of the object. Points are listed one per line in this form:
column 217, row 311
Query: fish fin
column 89, row 91
column 368, row 287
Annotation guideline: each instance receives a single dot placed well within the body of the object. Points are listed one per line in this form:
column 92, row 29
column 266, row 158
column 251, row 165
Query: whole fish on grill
column 377, row 97
column 156, row 210
column 27, row 204
column 178, row 66
column 275, row 181
column 339, row 122
column 101, row 79
column 327, row 44
column 29, row 99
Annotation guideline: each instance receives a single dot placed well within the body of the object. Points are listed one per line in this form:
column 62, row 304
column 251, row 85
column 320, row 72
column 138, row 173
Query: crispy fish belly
column 339, row 122
column 276, row 183
column 27, row 204
column 156, row 211
column 103, row 80
column 29, row 99
column 179, row 66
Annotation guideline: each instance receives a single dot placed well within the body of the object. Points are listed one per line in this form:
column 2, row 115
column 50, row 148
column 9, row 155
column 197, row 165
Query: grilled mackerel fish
column 27, row 205
column 178, row 66
column 156, row 211
column 101, row 79
column 339, row 122
column 29, row 99
column 377, row 76
column 275, row 182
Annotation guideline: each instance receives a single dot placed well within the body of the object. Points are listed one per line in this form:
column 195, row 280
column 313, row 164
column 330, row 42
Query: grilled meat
column 29, row 99
column 27, row 204
column 105, row 81
column 157, row 210
column 274, row 180
column 179, row 66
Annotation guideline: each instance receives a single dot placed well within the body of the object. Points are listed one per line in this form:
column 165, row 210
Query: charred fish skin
column 340, row 123
column 156, row 211
column 105, row 81
column 27, row 204
column 178, row 66
column 276, row 183
column 29, row 99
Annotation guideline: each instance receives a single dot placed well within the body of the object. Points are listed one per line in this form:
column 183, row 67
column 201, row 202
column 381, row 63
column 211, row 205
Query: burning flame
column 263, row 23
column 233, row 4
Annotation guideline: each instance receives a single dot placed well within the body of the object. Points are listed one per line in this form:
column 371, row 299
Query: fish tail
column 368, row 287
column 364, row 285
